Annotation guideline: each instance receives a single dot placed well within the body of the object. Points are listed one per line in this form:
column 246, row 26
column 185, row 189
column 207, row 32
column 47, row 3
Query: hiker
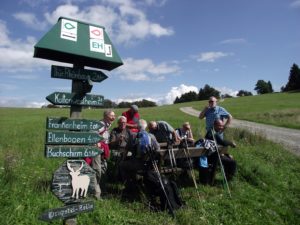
column 99, row 163
column 132, row 115
column 143, row 142
column 120, row 144
column 163, row 132
column 185, row 134
column 209, row 162
column 121, row 138
column 212, row 112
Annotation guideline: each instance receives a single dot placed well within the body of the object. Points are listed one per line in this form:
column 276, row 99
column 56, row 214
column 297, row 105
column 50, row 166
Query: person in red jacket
column 132, row 115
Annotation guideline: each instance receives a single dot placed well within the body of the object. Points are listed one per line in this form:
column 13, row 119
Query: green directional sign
column 64, row 123
column 76, row 138
column 77, row 74
column 64, row 98
column 67, row 211
column 64, row 151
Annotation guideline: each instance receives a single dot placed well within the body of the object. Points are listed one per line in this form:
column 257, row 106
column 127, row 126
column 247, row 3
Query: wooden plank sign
column 72, row 181
column 77, row 74
column 64, row 98
column 67, row 211
column 69, row 137
column 64, row 123
column 64, row 151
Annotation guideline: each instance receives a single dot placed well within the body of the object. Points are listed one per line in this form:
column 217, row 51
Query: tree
column 244, row 93
column 109, row 104
column 294, row 79
column 207, row 92
column 263, row 87
column 187, row 97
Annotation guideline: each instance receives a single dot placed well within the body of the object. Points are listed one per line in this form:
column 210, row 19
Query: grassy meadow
column 266, row 189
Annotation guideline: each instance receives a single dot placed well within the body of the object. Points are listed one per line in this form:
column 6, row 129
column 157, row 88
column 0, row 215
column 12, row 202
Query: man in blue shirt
column 213, row 112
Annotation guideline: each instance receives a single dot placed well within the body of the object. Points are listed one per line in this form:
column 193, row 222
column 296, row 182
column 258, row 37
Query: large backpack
column 143, row 141
column 170, row 199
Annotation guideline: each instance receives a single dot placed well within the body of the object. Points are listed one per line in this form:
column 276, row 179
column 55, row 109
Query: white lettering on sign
column 96, row 33
column 108, row 51
column 68, row 30
column 97, row 45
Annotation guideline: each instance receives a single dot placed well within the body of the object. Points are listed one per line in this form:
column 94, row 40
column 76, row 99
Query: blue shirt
column 214, row 113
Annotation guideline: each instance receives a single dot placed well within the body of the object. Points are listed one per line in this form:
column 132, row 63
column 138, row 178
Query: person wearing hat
column 132, row 115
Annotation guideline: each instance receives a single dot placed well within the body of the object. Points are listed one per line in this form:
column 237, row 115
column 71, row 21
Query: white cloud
column 123, row 20
column 167, row 98
column 19, row 102
column 234, row 41
column 30, row 20
column 226, row 90
column 177, row 92
column 211, row 56
column 145, row 69
column 17, row 55
column 295, row 4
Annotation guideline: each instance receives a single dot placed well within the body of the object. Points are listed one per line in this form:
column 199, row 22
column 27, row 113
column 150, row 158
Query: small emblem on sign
column 96, row 33
column 68, row 30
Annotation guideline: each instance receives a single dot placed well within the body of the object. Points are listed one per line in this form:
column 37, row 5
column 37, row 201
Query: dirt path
column 289, row 138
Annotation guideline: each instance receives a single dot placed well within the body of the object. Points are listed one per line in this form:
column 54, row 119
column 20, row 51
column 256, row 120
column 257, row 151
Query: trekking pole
column 221, row 164
column 171, row 154
column 187, row 155
column 154, row 164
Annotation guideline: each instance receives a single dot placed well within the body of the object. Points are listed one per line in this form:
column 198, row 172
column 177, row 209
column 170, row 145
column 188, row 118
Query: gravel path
column 289, row 138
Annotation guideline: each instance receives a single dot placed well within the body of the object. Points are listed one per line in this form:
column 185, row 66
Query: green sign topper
column 64, row 98
column 79, row 43
column 77, row 74
column 63, row 123
column 76, row 138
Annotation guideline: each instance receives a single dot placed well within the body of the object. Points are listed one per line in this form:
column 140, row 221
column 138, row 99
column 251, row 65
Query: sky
column 168, row 47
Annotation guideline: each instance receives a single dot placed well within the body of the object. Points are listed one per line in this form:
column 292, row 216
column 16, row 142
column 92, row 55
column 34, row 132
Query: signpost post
column 81, row 44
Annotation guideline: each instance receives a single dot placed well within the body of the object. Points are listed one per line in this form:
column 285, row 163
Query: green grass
column 279, row 109
column 266, row 189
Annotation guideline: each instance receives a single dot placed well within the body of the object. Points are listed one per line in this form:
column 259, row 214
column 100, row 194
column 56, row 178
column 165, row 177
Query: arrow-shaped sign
column 67, row 211
column 63, row 123
column 64, row 151
column 75, row 138
column 64, row 98
column 77, row 74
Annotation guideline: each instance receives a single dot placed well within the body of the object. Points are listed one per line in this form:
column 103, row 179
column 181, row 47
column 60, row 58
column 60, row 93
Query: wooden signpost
column 82, row 44
column 64, row 123
column 67, row 211
column 72, row 181
column 77, row 74
column 69, row 151
column 72, row 137
column 64, row 98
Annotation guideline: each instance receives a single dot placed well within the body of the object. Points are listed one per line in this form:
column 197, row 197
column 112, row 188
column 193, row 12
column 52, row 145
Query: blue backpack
column 143, row 142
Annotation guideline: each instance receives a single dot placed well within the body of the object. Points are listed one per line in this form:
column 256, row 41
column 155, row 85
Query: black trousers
column 207, row 175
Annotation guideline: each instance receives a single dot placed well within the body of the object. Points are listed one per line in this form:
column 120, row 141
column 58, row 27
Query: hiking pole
column 171, row 154
column 154, row 164
column 221, row 164
column 187, row 155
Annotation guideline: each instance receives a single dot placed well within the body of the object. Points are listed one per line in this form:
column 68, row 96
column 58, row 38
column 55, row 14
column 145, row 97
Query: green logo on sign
column 69, row 26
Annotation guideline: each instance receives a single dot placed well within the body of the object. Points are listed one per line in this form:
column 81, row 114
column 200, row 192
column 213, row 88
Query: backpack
column 144, row 143
column 170, row 199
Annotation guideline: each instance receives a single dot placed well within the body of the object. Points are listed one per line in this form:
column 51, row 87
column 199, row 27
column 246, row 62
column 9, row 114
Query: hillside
column 265, row 190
